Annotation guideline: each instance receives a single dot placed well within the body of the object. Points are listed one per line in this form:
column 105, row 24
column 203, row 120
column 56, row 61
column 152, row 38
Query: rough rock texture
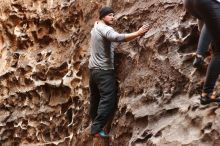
column 44, row 76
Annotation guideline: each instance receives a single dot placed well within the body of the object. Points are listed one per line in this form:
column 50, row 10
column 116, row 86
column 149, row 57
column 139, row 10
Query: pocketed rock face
column 44, row 76
column 43, row 86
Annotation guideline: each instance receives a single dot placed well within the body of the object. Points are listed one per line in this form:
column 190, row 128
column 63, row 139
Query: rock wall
column 44, row 76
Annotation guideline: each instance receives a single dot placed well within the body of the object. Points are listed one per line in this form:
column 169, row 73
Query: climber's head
column 107, row 15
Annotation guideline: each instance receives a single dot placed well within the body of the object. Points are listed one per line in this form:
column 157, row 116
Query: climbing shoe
column 102, row 134
column 198, row 61
column 208, row 98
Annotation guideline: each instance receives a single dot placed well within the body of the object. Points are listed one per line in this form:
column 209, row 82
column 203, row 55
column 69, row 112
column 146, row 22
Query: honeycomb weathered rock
column 44, row 75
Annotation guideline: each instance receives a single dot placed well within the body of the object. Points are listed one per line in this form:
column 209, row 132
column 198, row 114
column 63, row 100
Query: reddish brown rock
column 44, row 75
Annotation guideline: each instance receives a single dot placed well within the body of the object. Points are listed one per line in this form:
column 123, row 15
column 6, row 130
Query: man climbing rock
column 101, row 64
column 209, row 12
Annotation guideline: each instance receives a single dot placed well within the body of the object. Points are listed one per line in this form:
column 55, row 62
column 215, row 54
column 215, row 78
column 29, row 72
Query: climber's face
column 109, row 19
